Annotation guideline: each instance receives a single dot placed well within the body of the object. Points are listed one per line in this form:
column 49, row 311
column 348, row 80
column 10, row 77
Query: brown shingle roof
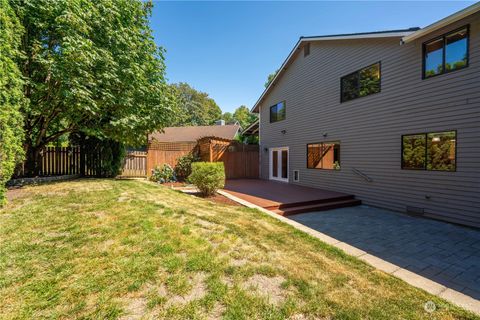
column 184, row 134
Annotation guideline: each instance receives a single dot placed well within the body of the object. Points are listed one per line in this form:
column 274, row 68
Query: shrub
column 113, row 156
column 112, row 153
column 208, row 177
column 163, row 174
column 184, row 166
column 11, row 96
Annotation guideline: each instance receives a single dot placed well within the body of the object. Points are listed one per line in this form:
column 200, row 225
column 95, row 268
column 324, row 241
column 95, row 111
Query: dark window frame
column 425, row 134
column 321, row 143
column 306, row 49
column 276, row 104
column 358, row 71
column 444, row 38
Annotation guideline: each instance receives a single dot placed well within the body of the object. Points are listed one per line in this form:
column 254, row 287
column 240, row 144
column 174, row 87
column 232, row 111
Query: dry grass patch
column 197, row 291
column 270, row 287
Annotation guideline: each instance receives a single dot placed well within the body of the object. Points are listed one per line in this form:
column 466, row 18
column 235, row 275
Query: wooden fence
column 240, row 160
column 57, row 161
column 60, row 161
column 135, row 164
column 160, row 153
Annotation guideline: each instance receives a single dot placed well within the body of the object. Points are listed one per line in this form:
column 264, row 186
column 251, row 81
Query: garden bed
column 218, row 198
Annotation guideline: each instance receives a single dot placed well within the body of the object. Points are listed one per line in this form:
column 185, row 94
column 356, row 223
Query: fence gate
column 135, row 164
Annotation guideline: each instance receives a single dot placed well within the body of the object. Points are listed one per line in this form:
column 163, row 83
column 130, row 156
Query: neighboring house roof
column 349, row 36
column 189, row 134
column 406, row 35
column 251, row 129
column 474, row 8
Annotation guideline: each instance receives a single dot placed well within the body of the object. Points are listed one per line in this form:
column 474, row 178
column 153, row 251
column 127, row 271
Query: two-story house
column 392, row 117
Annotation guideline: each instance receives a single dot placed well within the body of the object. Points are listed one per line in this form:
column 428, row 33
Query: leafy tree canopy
column 11, row 96
column 228, row 117
column 244, row 117
column 270, row 78
column 194, row 108
column 92, row 67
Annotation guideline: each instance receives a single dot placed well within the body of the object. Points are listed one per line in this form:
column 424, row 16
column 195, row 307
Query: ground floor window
column 430, row 151
column 323, row 155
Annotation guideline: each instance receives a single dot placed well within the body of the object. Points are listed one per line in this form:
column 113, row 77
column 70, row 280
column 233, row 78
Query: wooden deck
column 287, row 199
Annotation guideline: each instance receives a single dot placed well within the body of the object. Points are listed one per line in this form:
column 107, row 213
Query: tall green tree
column 11, row 96
column 194, row 108
column 228, row 117
column 244, row 117
column 270, row 78
column 92, row 67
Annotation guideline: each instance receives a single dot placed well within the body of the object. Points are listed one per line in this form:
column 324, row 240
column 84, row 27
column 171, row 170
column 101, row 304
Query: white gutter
column 442, row 23
column 397, row 34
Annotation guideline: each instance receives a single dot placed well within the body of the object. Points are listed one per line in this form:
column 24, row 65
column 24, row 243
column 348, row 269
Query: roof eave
column 253, row 127
column 443, row 22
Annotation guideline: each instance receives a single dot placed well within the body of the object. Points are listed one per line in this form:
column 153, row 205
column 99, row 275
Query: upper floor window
column 361, row 83
column 446, row 53
column 277, row 112
column 430, row 151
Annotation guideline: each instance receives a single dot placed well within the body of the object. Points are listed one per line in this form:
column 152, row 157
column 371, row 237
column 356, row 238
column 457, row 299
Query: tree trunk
column 33, row 161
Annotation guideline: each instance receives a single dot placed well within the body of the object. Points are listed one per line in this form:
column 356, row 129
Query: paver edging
column 411, row 278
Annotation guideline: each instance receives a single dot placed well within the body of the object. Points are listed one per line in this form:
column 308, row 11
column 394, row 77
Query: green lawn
column 106, row 249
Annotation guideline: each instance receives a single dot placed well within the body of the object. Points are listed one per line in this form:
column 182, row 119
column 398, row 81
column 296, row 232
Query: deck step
column 283, row 206
column 318, row 207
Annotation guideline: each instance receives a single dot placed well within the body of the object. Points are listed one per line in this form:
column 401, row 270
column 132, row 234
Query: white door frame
column 279, row 163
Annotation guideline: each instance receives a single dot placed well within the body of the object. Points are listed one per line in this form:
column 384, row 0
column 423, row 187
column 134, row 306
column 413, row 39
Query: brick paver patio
column 443, row 252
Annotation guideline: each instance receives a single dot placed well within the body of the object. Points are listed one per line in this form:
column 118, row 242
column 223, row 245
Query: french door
column 279, row 164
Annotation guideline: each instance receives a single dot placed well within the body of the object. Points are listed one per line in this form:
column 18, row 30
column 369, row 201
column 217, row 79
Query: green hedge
column 11, row 96
column 208, row 177
column 184, row 166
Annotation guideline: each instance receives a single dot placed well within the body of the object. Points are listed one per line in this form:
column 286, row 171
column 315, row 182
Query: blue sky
column 227, row 49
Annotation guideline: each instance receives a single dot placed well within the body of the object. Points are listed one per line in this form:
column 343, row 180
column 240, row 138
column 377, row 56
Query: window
column 434, row 151
column 306, row 49
column 277, row 112
column 414, row 151
column 361, row 83
column 325, row 155
column 446, row 53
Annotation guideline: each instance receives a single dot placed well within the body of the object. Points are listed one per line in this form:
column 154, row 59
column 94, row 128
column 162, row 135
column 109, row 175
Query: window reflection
column 413, row 151
column 434, row 58
column 456, row 50
column 441, row 151
column 361, row 83
column 430, row 151
column 277, row 112
column 323, row 155
column 447, row 53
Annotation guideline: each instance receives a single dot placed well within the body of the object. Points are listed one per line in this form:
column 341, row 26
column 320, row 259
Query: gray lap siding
column 370, row 128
